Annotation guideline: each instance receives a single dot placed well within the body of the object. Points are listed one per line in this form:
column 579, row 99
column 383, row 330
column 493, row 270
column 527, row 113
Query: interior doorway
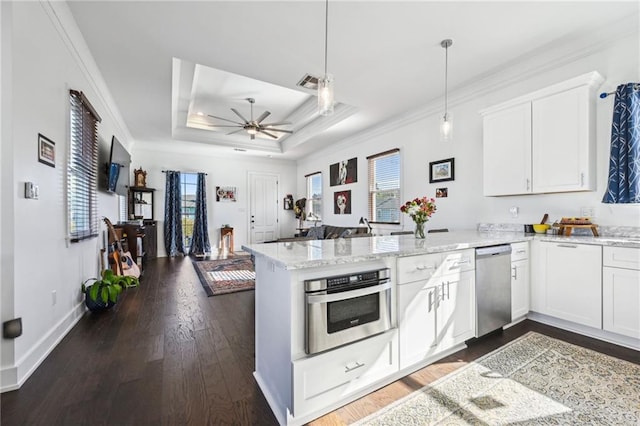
column 263, row 207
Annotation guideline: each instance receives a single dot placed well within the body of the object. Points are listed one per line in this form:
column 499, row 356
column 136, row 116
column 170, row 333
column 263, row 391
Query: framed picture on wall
column 343, row 172
column 342, row 202
column 441, row 171
column 226, row 193
column 46, row 151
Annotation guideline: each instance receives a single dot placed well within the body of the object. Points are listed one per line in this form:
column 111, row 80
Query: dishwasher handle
column 501, row 250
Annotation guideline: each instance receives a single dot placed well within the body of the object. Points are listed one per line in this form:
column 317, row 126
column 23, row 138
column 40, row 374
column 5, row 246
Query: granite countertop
column 314, row 253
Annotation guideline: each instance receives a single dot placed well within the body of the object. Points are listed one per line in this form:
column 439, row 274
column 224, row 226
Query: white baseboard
column 596, row 333
column 14, row 376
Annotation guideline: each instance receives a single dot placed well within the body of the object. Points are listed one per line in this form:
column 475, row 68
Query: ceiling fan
column 252, row 126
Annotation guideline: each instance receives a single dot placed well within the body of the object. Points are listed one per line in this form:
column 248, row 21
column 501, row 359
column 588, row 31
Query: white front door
column 263, row 207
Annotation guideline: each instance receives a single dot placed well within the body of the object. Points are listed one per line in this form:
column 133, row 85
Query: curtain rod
column 165, row 171
column 605, row 94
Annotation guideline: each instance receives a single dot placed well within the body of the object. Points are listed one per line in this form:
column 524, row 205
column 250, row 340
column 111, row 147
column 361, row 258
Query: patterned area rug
column 226, row 275
column 534, row 380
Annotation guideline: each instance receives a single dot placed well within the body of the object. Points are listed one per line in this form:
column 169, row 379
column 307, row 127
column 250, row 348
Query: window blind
column 82, row 169
column 384, row 187
column 314, row 196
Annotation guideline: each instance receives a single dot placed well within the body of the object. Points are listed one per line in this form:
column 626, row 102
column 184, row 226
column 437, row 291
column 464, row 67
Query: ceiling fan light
column 446, row 127
column 252, row 130
column 325, row 95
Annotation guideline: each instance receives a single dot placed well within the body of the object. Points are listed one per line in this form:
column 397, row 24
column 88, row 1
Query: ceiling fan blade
column 236, row 131
column 279, row 123
column 276, row 130
column 225, row 119
column 240, row 115
column 263, row 116
column 268, row 134
column 225, row 125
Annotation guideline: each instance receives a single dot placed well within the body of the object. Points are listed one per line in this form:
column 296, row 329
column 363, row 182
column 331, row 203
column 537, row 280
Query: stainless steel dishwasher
column 493, row 288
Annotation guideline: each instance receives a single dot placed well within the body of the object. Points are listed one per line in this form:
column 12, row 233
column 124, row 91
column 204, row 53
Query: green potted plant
column 103, row 293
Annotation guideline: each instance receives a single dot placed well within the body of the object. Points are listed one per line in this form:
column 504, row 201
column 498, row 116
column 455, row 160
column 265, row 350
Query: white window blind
column 384, row 187
column 82, row 169
column 314, row 196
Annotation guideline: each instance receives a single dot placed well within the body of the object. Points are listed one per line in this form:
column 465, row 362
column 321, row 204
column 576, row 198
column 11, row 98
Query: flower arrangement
column 420, row 210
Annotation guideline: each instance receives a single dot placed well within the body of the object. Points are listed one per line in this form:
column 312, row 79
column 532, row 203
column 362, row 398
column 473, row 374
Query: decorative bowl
column 541, row 229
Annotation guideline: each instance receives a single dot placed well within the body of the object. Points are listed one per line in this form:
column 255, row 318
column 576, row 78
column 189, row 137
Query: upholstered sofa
column 327, row 232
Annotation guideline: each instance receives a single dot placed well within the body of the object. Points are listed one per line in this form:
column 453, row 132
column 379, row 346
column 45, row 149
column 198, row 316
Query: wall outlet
column 54, row 298
column 514, row 211
column 587, row 211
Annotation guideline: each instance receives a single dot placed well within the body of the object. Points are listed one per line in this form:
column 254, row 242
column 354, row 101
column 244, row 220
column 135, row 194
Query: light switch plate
column 31, row 191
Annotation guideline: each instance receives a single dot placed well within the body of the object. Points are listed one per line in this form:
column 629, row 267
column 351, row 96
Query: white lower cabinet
column 621, row 291
column 568, row 282
column 435, row 315
column 519, row 280
column 323, row 379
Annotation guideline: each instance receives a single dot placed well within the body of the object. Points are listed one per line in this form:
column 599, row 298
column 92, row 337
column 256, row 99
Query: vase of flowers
column 420, row 210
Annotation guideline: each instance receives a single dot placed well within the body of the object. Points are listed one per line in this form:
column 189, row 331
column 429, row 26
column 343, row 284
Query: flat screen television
column 118, row 168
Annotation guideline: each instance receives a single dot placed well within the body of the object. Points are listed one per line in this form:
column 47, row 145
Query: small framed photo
column 226, row 193
column 442, row 192
column 441, row 171
column 46, row 151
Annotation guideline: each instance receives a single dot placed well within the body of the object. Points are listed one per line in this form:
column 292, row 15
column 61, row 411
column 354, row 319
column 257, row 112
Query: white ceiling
column 162, row 59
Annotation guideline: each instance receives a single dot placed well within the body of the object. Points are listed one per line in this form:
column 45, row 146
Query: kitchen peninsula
column 300, row 387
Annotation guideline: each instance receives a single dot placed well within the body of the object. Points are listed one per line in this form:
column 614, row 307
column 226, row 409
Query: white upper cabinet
column 507, row 151
column 542, row 142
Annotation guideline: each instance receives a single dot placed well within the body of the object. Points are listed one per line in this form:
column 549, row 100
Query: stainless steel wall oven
column 346, row 308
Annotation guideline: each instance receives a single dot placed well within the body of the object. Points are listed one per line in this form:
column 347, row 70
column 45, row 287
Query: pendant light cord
column 326, row 34
column 446, row 81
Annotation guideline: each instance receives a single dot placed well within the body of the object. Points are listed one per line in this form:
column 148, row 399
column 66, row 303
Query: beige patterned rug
column 534, row 380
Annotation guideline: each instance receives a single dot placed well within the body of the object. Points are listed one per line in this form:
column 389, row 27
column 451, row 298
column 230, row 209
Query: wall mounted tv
column 118, row 168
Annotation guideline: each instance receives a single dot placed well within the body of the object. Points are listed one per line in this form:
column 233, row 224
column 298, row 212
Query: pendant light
column 325, row 84
column 446, row 122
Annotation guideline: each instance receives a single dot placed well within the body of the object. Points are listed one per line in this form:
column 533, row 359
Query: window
column 314, row 196
column 189, row 184
column 384, row 187
column 82, row 169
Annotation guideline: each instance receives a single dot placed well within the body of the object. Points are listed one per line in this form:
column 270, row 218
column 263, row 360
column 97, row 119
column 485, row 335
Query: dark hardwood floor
column 168, row 354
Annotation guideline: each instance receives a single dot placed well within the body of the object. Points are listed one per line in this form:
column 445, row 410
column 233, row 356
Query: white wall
column 229, row 170
column 39, row 260
column 466, row 206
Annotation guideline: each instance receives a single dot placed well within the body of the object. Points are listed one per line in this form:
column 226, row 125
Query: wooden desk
column 228, row 234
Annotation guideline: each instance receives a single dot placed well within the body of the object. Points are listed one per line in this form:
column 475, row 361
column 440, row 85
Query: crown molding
column 66, row 26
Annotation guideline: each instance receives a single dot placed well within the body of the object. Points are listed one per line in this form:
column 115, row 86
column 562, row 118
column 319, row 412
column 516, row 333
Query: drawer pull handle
column 515, row 273
column 422, row 267
column 461, row 262
column 567, row 246
column 357, row 365
column 521, row 251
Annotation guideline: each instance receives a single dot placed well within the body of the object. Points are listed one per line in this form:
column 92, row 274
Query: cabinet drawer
column 457, row 261
column 425, row 266
column 519, row 251
column 418, row 268
column 621, row 257
column 329, row 377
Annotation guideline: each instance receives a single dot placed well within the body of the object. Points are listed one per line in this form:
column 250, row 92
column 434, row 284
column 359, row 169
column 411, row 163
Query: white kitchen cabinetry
column 507, row 151
column 568, row 282
column 436, row 309
column 542, row 142
column 519, row 280
column 323, row 379
column 621, row 291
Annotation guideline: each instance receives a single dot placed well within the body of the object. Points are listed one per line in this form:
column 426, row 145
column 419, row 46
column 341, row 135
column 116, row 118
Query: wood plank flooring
column 168, row 354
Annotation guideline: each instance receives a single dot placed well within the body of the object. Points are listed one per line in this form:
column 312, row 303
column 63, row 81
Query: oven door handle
column 334, row 297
